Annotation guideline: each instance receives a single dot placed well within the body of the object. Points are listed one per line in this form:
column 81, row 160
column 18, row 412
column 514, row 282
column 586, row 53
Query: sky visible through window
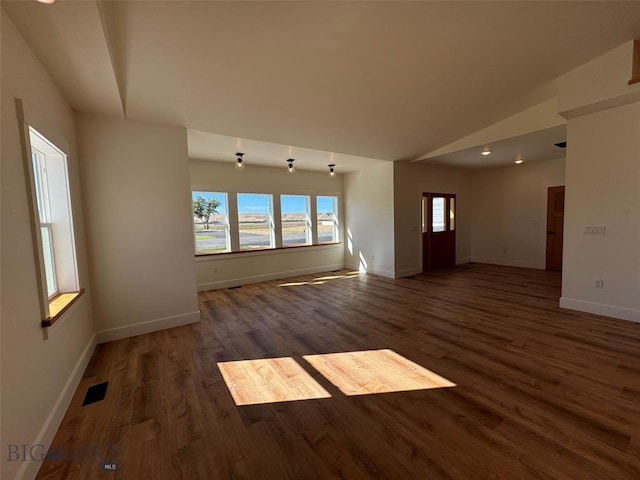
column 258, row 203
column 293, row 203
column 325, row 204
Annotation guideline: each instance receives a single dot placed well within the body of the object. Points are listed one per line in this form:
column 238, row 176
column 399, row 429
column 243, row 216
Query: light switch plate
column 594, row 230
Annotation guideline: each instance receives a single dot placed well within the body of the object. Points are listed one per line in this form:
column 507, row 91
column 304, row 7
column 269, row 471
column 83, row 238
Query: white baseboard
column 236, row 282
column 382, row 273
column 509, row 263
column 407, row 272
column 373, row 271
column 30, row 468
column 600, row 309
column 351, row 266
column 135, row 329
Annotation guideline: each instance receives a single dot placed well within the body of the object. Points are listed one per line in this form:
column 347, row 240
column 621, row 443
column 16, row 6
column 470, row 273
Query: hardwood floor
column 541, row 393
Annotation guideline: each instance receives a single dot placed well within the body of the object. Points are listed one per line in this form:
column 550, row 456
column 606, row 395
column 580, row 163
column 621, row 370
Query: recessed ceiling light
column 46, row 1
column 519, row 160
column 486, row 152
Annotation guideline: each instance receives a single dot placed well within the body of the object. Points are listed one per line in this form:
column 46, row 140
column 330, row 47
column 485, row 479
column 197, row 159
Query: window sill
column 60, row 304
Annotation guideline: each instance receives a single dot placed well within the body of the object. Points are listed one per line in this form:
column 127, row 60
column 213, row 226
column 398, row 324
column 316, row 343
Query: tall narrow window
column 54, row 219
column 255, row 221
column 426, row 204
column 210, row 222
column 438, row 214
column 40, row 181
column 452, row 213
column 296, row 225
column 327, row 219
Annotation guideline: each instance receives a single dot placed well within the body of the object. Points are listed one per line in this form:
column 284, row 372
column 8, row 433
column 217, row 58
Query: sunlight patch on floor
column 293, row 284
column 269, row 380
column 321, row 280
column 375, row 371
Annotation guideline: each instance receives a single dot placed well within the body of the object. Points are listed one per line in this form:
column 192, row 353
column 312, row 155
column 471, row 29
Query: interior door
column 555, row 226
column 438, row 230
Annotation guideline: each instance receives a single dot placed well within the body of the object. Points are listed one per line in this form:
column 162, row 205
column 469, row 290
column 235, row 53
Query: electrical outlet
column 598, row 283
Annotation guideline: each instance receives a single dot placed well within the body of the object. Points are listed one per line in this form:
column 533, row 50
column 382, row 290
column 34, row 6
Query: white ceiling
column 531, row 147
column 222, row 148
column 383, row 80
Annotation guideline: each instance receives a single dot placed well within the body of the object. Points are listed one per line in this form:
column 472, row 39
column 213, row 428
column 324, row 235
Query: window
column 211, row 222
column 425, row 214
column 225, row 222
column 44, row 215
column 54, row 223
column 438, row 214
column 255, row 221
column 296, row 225
column 327, row 219
column 452, row 213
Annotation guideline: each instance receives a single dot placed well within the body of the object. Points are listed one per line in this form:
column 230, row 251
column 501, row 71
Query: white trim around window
column 270, row 226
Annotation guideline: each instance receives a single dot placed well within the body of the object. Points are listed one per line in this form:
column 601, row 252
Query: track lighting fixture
column 332, row 169
column 290, row 165
column 239, row 163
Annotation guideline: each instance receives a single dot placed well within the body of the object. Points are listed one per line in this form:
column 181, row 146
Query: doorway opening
column 555, row 226
column 438, row 230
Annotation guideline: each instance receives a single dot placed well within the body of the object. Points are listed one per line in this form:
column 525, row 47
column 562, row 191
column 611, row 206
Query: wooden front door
column 438, row 230
column 555, row 225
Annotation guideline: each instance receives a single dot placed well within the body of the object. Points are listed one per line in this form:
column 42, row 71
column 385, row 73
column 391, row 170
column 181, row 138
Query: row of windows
column 231, row 222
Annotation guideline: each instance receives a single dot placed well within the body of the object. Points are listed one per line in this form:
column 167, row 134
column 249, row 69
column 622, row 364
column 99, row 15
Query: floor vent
column 95, row 393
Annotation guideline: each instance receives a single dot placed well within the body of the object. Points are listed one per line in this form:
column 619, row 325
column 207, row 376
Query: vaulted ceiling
column 383, row 80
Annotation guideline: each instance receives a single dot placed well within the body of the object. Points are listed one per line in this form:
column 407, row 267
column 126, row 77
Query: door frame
column 427, row 224
column 546, row 227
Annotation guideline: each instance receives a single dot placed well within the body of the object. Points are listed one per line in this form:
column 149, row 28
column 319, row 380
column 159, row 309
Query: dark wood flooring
column 542, row 393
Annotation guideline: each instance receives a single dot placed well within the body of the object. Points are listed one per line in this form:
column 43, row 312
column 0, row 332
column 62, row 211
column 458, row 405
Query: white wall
column 539, row 117
column 598, row 84
column 138, row 217
column 509, row 211
column 369, row 219
column 218, row 271
column 38, row 376
column 603, row 187
column 411, row 180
